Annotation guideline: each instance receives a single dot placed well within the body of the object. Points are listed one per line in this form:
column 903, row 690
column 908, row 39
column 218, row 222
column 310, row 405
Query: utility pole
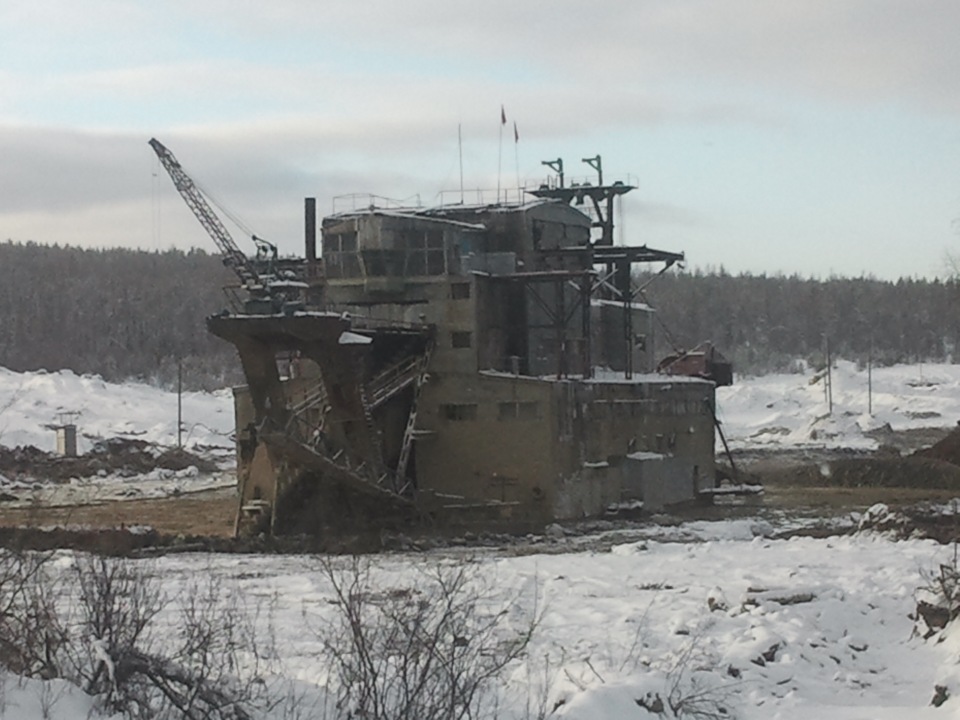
column 870, row 379
column 179, row 403
column 828, row 388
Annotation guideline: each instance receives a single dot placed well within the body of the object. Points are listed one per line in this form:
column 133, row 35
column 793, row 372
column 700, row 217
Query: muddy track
column 809, row 483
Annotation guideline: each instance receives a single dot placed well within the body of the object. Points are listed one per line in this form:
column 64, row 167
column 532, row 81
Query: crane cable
column 231, row 216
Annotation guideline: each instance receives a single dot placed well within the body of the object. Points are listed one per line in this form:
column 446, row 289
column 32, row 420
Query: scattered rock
column 554, row 532
column 762, row 528
column 768, row 655
column 716, row 601
column 754, row 597
column 880, row 518
column 936, row 617
column 940, row 695
column 651, row 702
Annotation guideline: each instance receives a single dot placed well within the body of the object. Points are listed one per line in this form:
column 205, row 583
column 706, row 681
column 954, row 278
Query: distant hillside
column 120, row 313
column 132, row 314
column 765, row 322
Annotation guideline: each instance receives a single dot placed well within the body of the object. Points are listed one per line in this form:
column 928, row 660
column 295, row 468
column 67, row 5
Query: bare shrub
column 692, row 686
column 938, row 598
column 204, row 665
column 683, row 684
column 220, row 655
column 30, row 632
column 437, row 650
column 115, row 605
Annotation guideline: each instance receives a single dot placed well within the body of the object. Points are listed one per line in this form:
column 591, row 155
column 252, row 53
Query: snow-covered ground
column 787, row 410
column 31, row 401
column 766, row 629
column 800, row 627
column 771, row 412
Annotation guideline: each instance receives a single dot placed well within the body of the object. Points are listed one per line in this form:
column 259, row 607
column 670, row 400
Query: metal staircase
column 408, row 432
column 304, row 439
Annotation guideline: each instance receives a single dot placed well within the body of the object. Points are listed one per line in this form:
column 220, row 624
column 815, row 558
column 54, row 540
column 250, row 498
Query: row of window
column 513, row 410
column 415, row 253
column 642, row 408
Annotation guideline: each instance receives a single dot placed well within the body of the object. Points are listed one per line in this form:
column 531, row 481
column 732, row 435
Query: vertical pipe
column 561, row 323
column 626, row 293
column 310, row 228
column 586, row 285
column 460, row 150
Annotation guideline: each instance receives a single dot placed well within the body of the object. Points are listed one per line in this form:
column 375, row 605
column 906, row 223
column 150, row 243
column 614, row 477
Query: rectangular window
column 435, row 239
column 435, row 262
column 416, row 264
column 382, row 263
column 340, row 255
column 460, row 291
column 461, row 339
column 423, row 252
column 528, row 410
column 348, row 242
column 517, row 411
column 459, row 411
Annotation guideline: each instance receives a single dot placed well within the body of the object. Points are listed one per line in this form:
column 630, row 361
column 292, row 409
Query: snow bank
column 792, row 409
column 30, row 401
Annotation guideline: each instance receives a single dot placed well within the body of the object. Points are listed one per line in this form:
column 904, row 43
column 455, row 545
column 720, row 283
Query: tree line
column 766, row 323
column 134, row 314
column 120, row 313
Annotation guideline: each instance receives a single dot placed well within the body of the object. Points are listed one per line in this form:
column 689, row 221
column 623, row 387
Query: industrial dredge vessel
column 486, row 363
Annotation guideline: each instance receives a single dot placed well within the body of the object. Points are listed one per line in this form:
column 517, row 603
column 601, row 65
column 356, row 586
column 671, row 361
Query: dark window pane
column 351, row 265
column 459, row 412
column 434, row 262
column 416, row 263
column 527, row 410
column 374, row 263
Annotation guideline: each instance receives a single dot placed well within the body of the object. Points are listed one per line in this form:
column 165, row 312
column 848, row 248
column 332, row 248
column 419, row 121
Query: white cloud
column 267, row 102
column 861, row 50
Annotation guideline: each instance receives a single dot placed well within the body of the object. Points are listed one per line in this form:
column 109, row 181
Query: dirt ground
column 809, row 482
column 210, row 513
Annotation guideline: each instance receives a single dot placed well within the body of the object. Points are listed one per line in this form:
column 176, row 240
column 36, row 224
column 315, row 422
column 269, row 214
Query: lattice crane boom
column 233, row 257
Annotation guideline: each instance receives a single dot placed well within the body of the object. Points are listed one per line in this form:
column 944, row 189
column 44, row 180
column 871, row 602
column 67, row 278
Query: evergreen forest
column 133, row 314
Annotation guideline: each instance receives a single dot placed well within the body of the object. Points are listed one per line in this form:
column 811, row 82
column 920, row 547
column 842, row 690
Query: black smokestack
column 310, row 227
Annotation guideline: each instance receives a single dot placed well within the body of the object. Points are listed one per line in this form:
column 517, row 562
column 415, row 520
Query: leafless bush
column 692, row 689
column 219, row 646
column 117, row 602
column 205, row 665
column 685, row 684
column 106, row 625
column 30, row 632
column 938, row 601
column 434, row 651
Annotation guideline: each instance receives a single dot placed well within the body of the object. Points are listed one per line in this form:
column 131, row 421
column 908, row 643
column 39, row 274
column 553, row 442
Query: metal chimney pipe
column 310, row 228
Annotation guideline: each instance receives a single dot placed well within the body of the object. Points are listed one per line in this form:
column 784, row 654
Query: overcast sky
column 816, row 137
